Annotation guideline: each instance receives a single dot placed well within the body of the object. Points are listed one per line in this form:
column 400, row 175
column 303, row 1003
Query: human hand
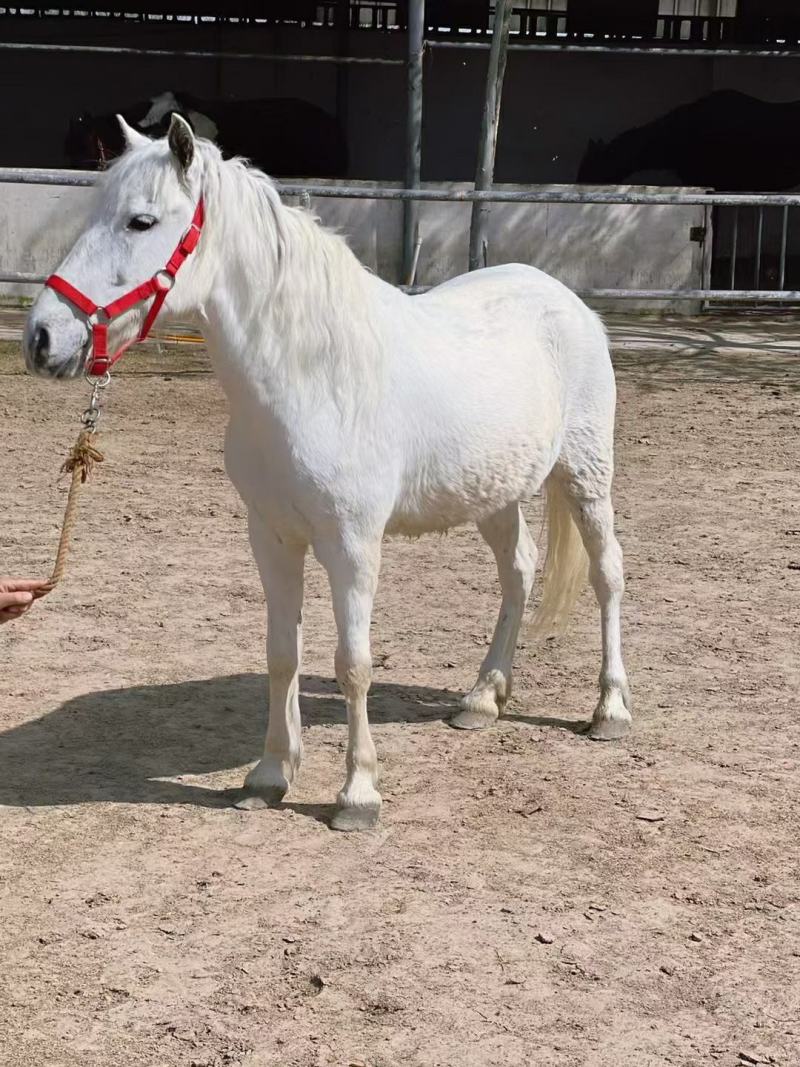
column 17, row 595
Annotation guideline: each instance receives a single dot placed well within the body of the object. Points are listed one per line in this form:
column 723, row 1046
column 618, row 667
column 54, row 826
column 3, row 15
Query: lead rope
column 79, row 463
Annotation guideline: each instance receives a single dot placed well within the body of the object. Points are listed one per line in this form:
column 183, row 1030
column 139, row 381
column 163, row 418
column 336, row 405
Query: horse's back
column 543, row 313
column 511, row 278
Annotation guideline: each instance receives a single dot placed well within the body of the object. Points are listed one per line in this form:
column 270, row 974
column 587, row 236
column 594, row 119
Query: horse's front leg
column 280, row 564
column 352, row 565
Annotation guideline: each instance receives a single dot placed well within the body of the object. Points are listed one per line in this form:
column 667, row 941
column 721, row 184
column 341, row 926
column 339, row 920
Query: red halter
column 158, row 286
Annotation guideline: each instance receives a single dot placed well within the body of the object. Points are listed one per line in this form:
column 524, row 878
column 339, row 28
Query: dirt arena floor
column 531, row 897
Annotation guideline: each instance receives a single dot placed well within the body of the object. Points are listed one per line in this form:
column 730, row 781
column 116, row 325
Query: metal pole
column 782, row 264
column 490, row 122
column 718, row 296
column 709, row 52
column 534, row 195
column 342, row 26
column 724, row 296
column 707, row 245
column 564, row 194
column 196, row 53
column 47, row 176
column 416, row 46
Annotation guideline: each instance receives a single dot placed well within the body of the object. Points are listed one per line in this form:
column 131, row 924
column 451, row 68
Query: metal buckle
column 92, row 413
column 159, row 284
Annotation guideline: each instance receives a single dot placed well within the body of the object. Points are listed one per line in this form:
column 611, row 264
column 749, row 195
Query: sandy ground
column 531, row 897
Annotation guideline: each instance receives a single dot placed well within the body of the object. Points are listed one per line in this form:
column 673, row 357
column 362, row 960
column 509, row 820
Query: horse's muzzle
column 55, row 351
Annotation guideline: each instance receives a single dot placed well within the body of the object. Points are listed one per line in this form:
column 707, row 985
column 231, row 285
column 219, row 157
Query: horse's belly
column 483, row 433
column 440, row 495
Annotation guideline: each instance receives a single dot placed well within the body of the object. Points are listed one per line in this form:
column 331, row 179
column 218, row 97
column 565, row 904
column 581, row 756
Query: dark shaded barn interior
column 554, row 104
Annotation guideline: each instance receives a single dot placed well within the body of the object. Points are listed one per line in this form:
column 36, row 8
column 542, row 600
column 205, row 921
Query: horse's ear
column 181, row 141
column 132, row 138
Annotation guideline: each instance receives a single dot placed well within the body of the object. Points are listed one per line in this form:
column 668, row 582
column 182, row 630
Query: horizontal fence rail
column 723, row 296
column 189, row 53
column 572, row 195
column 710, row 51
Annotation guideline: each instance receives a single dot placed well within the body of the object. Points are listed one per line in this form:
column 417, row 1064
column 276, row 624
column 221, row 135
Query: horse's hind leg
column 507, row 535
column 595, row 520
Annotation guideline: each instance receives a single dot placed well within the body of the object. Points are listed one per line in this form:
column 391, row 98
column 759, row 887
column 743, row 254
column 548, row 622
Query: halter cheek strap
column 157, row 287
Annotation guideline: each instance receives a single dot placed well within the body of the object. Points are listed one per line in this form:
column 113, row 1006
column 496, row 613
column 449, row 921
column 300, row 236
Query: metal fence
column 751, row 242
column 735, row 202
column 759, row 252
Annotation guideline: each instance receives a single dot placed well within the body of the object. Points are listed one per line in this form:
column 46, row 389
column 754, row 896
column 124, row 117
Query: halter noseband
column 158, row 286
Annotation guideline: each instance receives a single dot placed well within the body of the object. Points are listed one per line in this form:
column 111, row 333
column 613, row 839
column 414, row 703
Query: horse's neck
column 634, row 150
column 296, row 330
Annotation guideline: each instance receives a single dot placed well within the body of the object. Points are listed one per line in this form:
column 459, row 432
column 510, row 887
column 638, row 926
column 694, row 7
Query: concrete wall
column 586, row 246
column 38, row 224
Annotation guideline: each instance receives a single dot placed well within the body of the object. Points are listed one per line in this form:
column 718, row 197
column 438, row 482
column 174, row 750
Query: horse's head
column 144, row 205
column 93, row 141
column 159, row 115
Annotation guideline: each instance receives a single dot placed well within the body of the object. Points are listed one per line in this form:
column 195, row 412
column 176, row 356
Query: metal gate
column 754, row 247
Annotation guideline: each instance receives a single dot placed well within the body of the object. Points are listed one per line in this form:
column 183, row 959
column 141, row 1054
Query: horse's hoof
column 265, row 785
column 356, row 817
column 473, row 719
column 608, row 729
column 480, row 707
column 250, row 800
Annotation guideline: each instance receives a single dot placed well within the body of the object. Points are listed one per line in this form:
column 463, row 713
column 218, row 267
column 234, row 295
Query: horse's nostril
column 41, row 345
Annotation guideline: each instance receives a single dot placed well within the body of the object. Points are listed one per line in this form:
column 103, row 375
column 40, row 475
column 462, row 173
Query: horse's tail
column 566, row 566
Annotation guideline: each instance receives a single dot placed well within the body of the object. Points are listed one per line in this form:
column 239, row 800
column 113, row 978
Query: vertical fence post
column 490, row 122
column 416, row 44
column 782, row 260
column 734, row 246
column 341, row 21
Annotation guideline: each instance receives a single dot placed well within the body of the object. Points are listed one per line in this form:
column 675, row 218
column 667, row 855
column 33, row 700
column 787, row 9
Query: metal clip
column 92, row 413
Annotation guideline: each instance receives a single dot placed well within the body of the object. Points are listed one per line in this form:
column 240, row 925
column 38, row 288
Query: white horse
column 358, row 411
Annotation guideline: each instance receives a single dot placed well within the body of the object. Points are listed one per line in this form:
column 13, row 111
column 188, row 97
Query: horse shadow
column 123, row 745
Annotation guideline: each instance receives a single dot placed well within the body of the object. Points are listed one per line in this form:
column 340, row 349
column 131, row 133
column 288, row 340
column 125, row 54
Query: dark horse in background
column 727, row 141
column 284, row 137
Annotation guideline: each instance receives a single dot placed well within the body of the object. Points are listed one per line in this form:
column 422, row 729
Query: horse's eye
column 142, row 222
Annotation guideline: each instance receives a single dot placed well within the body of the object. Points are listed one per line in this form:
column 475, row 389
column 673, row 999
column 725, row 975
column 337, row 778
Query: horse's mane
column 307, row 282
column 308, row 308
